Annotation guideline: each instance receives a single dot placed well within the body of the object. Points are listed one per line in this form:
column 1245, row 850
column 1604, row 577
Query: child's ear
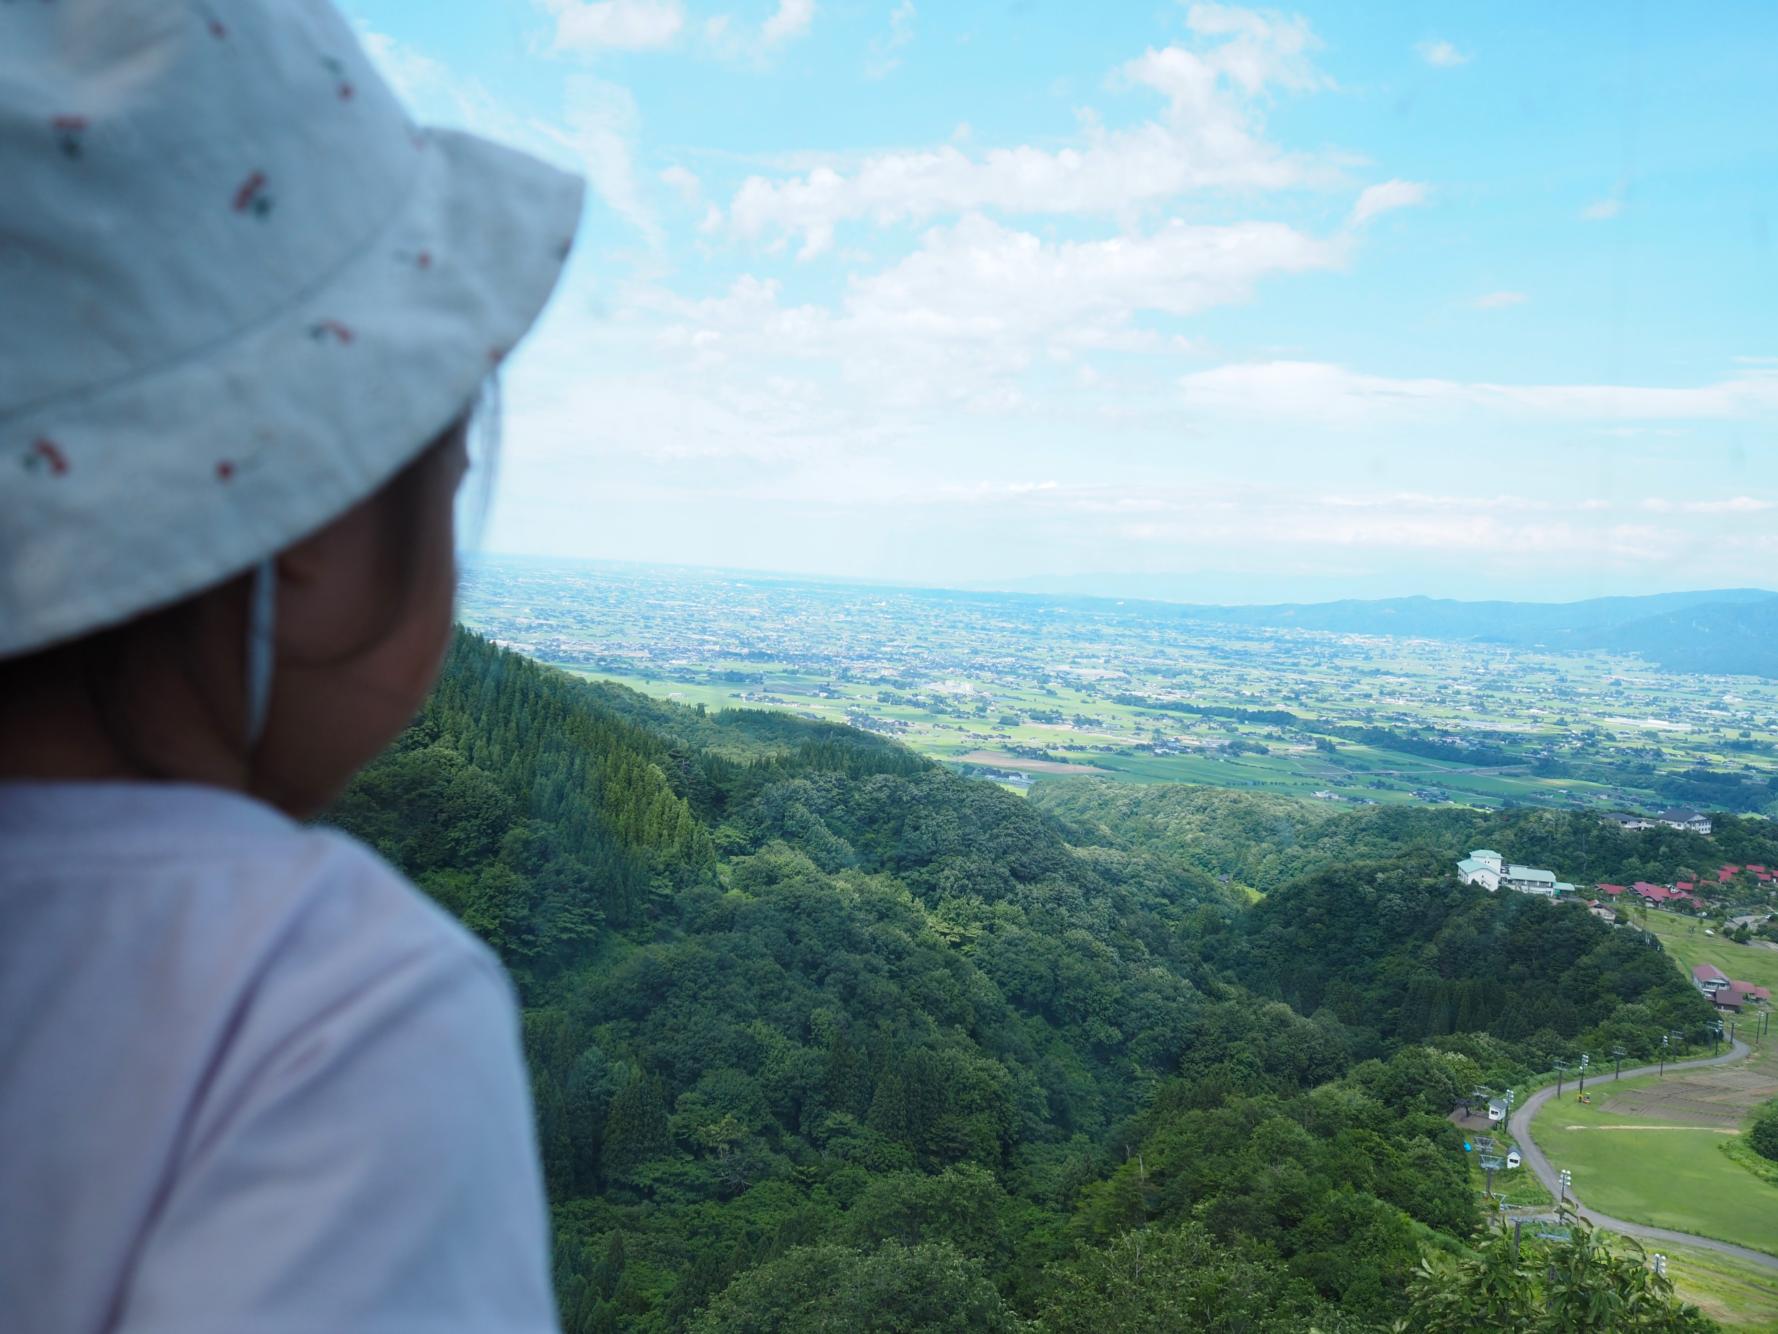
column 326, row 577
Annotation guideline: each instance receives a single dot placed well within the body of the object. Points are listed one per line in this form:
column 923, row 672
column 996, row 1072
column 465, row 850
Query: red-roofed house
column 1725, row 994
column 1726, row 874
column 1684, row 884
column 1613, row 890
column 1739, row 995
column 1661, row 894
column 1708, row 978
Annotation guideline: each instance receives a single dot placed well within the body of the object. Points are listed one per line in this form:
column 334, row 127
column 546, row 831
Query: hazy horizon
column 1110, row 585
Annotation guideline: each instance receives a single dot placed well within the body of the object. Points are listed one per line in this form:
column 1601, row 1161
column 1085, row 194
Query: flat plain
column 1011, row 686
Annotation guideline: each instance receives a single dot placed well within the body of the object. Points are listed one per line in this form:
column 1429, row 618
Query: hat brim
column 293, row 421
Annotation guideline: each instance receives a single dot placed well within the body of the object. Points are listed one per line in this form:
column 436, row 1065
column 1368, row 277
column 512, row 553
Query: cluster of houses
column 1492, row 872
column 1761, row 875
column 1489, row 869
column 1692, row 822
column 1725, row 993
column 1677, row 895
column 1682, row 894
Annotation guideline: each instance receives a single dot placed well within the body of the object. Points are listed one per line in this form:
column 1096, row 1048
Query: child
column 250, row 1080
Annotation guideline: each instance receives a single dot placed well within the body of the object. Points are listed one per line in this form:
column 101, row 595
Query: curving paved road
column 1520, row 1126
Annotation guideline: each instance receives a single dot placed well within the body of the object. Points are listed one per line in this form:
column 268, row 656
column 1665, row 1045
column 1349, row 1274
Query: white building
column 1492, row 872
column 1695, row 822
column 1482, row 867
column 1532, row 880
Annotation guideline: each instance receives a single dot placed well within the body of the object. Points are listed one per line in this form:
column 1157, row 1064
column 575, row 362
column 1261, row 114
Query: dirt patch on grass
column 1689, row 1130
column 1700, row 1098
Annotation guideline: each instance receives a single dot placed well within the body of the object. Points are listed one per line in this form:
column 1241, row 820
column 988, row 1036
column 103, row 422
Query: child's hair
column 102, row 663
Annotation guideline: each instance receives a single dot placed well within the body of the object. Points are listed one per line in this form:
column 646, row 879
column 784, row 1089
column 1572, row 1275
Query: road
column 1520, row 1126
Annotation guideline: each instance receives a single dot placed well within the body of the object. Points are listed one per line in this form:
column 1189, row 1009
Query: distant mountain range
column 1730, row 631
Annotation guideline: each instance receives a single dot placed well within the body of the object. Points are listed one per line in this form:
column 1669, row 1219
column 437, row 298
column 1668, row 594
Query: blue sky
column 1328, row 300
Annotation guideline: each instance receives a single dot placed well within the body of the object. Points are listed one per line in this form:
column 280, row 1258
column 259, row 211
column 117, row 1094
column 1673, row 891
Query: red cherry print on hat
column 46, row 454
column 343, row 86
column 225, row 470
column 322, row 330
column 420, row 259
column 251, row 196
column 70, row 134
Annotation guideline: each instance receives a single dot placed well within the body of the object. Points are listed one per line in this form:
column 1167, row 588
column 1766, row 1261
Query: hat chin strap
column 261, row 617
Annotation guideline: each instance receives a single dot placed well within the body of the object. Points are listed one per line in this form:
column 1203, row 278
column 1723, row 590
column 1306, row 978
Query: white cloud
column 1209, row 137
column 1334, row 395
column 1496, row 300
column 791, row 20
column 1601, row 210
column 591, row 26
column 945, row 335
column 683, row 182
column 981, row 279
column 1441, row 54
column 1263, row 47
column 978, row 301
column 1380, row 199
column 885, row 52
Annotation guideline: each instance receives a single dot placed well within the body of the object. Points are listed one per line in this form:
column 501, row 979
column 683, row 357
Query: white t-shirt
column 251, row 1082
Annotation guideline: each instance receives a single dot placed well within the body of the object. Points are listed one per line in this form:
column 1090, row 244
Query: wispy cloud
column 1602, row 210
column 1380, row 199
column 790, row 20
column 683, row 182
column 602, row 127
column 1441, row 54
column 885, row 51
column 1733, row 505
column 1495, row 300
column 1336, row 396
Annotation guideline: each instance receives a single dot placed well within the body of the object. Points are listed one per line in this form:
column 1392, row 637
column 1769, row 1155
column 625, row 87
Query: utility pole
column 1560, row 1068
column 1617, row 1056
column 1663, row 1069
column 1565, row 1179
column 1583, row 1072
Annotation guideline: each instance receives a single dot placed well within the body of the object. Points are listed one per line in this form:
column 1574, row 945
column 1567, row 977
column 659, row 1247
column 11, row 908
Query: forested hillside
column 1264, row 841
column 825, row 1036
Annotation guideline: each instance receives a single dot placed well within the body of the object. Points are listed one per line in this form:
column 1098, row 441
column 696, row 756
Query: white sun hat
column 239, row 290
